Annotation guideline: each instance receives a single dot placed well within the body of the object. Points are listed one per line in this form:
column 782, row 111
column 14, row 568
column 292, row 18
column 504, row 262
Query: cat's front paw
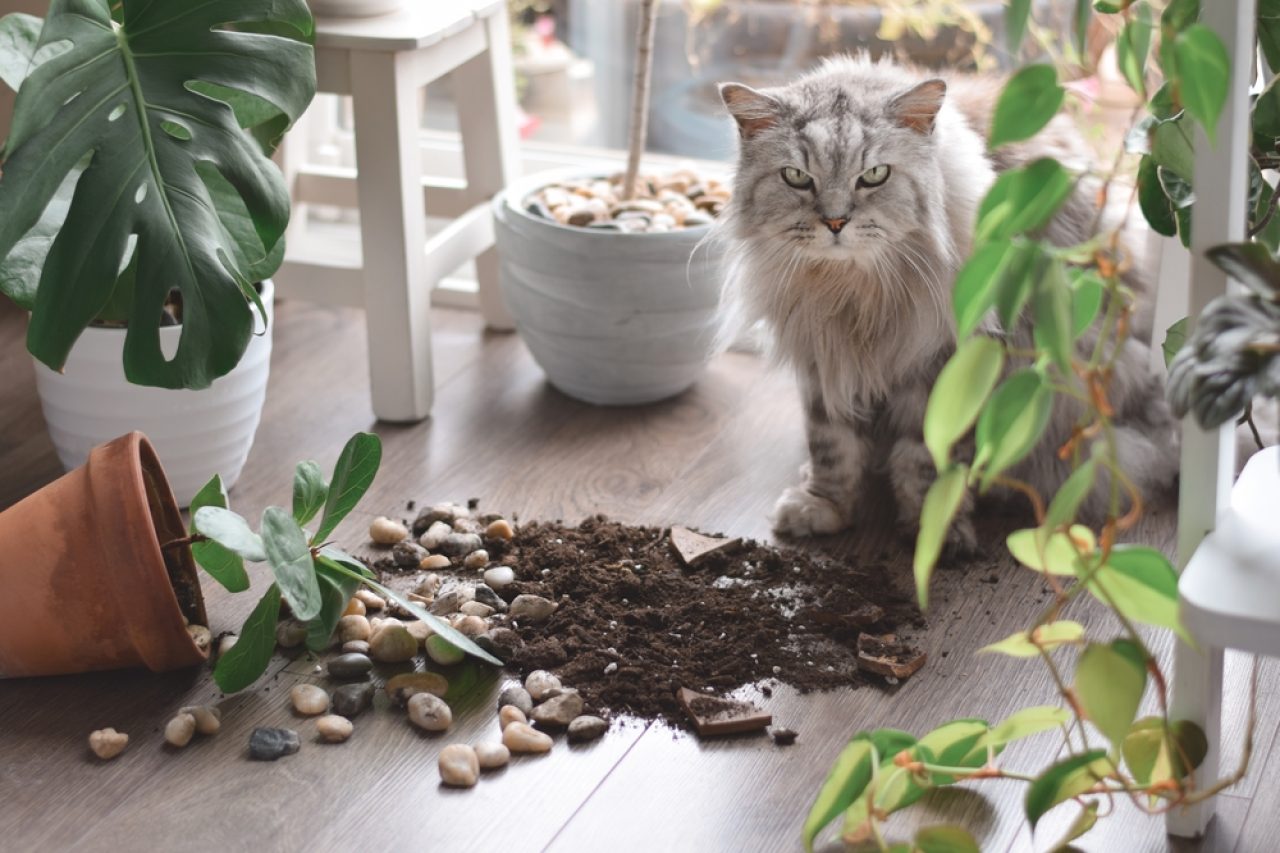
column 802, row 513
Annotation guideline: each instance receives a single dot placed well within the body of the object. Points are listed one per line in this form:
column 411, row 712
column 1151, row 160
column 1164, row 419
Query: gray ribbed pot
column 613, row 319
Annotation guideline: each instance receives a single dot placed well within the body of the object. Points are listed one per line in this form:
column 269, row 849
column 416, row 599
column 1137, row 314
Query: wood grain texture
column 714, row 459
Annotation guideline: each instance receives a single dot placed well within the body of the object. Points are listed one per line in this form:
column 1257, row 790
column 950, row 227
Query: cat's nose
column 834, row 224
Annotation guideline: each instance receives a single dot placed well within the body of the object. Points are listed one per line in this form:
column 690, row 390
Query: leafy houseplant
column 315, row 578
column 137, row 186
column 1104, row 750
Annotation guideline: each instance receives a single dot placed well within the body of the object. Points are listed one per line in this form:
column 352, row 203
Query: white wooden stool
column 384, row 63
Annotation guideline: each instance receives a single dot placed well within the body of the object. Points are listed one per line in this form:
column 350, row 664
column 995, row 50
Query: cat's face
column 833, row 170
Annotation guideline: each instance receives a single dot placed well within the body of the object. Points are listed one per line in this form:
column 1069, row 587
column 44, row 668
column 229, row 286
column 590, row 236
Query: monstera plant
column 137, row 191
column 128, row 173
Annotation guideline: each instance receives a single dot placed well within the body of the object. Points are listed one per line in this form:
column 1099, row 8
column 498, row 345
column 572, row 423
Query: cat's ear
column 753, row 111
column 917, row 108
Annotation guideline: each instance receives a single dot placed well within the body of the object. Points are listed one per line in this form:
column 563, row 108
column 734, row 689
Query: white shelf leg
column 392, row 227
column 485, row 90
column 1208, row 458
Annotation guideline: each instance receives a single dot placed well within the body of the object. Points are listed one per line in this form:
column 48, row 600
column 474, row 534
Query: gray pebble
column 407, row 555
column 485, row 595
column 586, row 728
column 350, row 699
column 517, row 696
column 269, row 744
column 350, row 666
column 460, row 544
column 359, row 647
column 532, row 608
column 558, row 710
column 450, row 601
column 429, row 516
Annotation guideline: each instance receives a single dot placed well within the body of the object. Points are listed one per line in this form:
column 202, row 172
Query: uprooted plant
column 1104, row 754
column 315, row 578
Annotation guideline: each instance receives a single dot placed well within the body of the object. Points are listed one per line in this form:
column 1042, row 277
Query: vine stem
column 185, row 540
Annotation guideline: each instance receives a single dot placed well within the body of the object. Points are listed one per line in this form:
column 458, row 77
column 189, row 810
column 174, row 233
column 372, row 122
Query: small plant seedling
column 314, row 577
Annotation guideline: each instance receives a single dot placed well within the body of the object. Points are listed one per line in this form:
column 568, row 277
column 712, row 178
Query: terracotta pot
column 83, row 583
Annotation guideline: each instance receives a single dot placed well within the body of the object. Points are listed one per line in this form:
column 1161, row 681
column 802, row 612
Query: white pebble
column 353, row 628
column 226, row 644
column 476, row 560
column 385, row 531
column 539, row 683
column 492, row 755
column 475, row 608
column 179, row 731
column 611, row 668
column 499, row 576
column 372, row 601
column 459, row 765
column 334, row 729
column 108, row 743
column 208, row 718
column 524, row 738
column 430, row 712
column 509, row 714
column 434, row 535
column 392, row 644
column 309, row 700
column 532, row 608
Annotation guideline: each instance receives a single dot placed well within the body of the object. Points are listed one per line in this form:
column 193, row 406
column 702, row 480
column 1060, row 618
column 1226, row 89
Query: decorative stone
column 499, row 576
column 450, row 601
column 492, row 755
column 539, row 683
column 438, row 514
column 179, row 730
column 333, row 728
column 350, row 666
column 401, row 688
column 509, row 714
column 524, row 738
column 476, row 560
column 486, row 596
column 532, row 608
column 290, row 634
column 461, row 544
column 360, row 647
column 386, row 531
column 611, row 668
column 372, row 601
column 309, row 700
column 434, row 535
column 500, row 529
column 459, row 765
column 428, row 586
column 435, row 561
column 466, row 525
column 266, row 744
column 472, row 626
column 586, row 727
column 350, row 700
column 201, row 637
column 226, row 643
column 443, row 652
column 392, row 644
column 428, row 711
column 107, row 743
column 353, row 628
column 517, row 697
column 558, row 711
column 419, row 630
column 355, row 607
column 475, row 608
column 408, row 555
column 208, row 718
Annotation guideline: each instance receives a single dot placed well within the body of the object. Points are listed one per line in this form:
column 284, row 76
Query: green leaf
column 1028, row 102
column 336, row 590
column 1251, row 265
column 1175, row 189
column 850, row 775
column 1180, row 14
column 958, row 394
column 1155, row 205
column 309, row 491
column 940, row 505
column 248, row 658
column 1174, row 339
column 223, row 565
column 945, row 839
column 1155, row 753
column 230, row 531
column 1110, row 681
column 1269, row 31
column 1171, row 147
column 1084, row 10
column 1132, row 46
column 1011, row 424
column 975, row 289
column 1067, row 778
column 290, row 559
column 1143, row 585
column 19, row 35
column 1022, row 268
column 1022, row 200
column 1047, row 637
column 20, row 271
column 1062, row 552
column 1266, row 112
column 1086, row 300
column 1015, row 24
column 954, row 744
column 1066, row 503
column 110, row 96
column 1027, row 722
column 352, row 475
column 1083, row 823
column 1106, row 7
column 1051, row 307
column 1204, row 74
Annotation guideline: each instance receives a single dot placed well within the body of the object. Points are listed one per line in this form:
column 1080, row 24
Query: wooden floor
column 715, row 458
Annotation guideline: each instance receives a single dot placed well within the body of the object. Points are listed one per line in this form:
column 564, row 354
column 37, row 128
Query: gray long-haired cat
column 853, row 208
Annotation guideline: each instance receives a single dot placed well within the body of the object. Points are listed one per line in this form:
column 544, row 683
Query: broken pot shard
column 884, row 655
column 712, row 715
column 694, row 547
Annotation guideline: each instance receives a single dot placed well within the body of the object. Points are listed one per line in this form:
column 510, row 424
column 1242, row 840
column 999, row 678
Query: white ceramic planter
column 196, row 434
column 613, row 318
column 358, row 8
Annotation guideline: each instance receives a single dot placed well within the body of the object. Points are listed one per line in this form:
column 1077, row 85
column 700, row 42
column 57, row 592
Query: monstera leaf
column 137, row 108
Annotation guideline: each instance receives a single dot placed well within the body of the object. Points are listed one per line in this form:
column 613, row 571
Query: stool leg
column 1197, row 696
column 393, row 230
column 485, row 91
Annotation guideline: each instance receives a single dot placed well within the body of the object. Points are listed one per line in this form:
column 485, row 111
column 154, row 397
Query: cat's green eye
column 797, row 178
column 874, row 177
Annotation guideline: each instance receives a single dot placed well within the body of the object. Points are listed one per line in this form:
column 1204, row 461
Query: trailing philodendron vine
column 1076, row 300
column 315, row 578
